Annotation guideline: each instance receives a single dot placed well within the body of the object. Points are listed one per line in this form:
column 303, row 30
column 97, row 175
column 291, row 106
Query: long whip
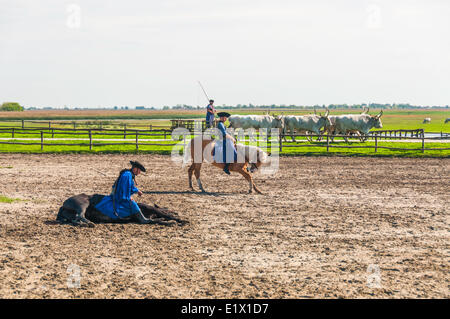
column 206, row 95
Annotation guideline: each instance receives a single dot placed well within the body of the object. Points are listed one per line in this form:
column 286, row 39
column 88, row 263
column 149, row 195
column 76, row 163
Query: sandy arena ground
column 323, row 228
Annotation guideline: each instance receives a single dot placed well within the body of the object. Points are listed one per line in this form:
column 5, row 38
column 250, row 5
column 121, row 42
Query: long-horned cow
column 362, row 123
column 331, row 128
column 256, row 122
column 305, row 123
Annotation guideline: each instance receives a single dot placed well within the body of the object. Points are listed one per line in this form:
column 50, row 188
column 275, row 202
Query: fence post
column 423, row 143
column 49, row 124
column 124, row 131
column 74, row 125
column 280, row 142
column 137, row 140
column 53, row 133
column 328, row 143
column 23, row 124
column 90, row 140
column 376, row 142
column 42, row 140
column 12, row 132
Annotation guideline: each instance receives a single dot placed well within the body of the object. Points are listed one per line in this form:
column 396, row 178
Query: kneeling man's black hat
column 138, row 165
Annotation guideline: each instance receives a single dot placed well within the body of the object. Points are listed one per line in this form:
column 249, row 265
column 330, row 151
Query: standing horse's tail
column 262, row 156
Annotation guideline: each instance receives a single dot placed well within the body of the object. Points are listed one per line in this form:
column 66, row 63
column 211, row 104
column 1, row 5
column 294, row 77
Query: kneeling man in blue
column 119, row 204
column 229, row 154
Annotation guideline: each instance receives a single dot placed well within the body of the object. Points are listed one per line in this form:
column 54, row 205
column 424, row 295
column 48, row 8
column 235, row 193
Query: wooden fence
column 74, row 124
column 89, row 132
column 191, row 125
column 326, row 143
column 99, row 131
column 397, row 133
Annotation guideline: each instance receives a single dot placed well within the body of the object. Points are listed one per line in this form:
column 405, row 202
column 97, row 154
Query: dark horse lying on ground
column 79, row 210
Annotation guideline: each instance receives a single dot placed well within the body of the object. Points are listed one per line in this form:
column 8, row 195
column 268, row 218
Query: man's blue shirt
column 122, row 203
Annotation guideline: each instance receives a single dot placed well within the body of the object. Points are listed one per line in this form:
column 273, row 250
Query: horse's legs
column 148, row 210
column 74, row 211
column 249, row 178
column 141, row 219
column 190, row 171
column 81, row 217
column 197, row 168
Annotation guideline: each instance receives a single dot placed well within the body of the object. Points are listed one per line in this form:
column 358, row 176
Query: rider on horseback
column 229, row 154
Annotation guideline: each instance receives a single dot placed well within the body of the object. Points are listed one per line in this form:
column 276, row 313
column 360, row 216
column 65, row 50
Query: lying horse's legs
column 160, row 212
column 73, row 211
column 141, row 219
column 81, row 216
column 76, row 218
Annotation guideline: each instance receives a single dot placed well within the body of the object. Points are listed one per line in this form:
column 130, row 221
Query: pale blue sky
column 249, row 51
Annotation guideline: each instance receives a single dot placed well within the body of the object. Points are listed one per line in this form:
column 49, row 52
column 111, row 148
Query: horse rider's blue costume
column 229, row 154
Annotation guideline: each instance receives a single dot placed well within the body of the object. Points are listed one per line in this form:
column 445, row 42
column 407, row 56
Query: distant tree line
column 330, row 106
column 305, row 107
column 10, row 106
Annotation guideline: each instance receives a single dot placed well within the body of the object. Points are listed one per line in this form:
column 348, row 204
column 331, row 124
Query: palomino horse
column 250, row 158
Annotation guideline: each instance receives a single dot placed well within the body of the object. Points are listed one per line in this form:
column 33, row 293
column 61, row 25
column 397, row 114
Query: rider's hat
column 223, row 114
column 138, row 165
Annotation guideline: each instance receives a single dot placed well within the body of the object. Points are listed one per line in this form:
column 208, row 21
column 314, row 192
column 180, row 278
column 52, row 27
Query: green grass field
column 114, row 134
column 392, row 119
column 309, row 149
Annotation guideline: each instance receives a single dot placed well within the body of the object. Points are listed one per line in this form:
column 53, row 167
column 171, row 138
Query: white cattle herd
column 358, row 124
